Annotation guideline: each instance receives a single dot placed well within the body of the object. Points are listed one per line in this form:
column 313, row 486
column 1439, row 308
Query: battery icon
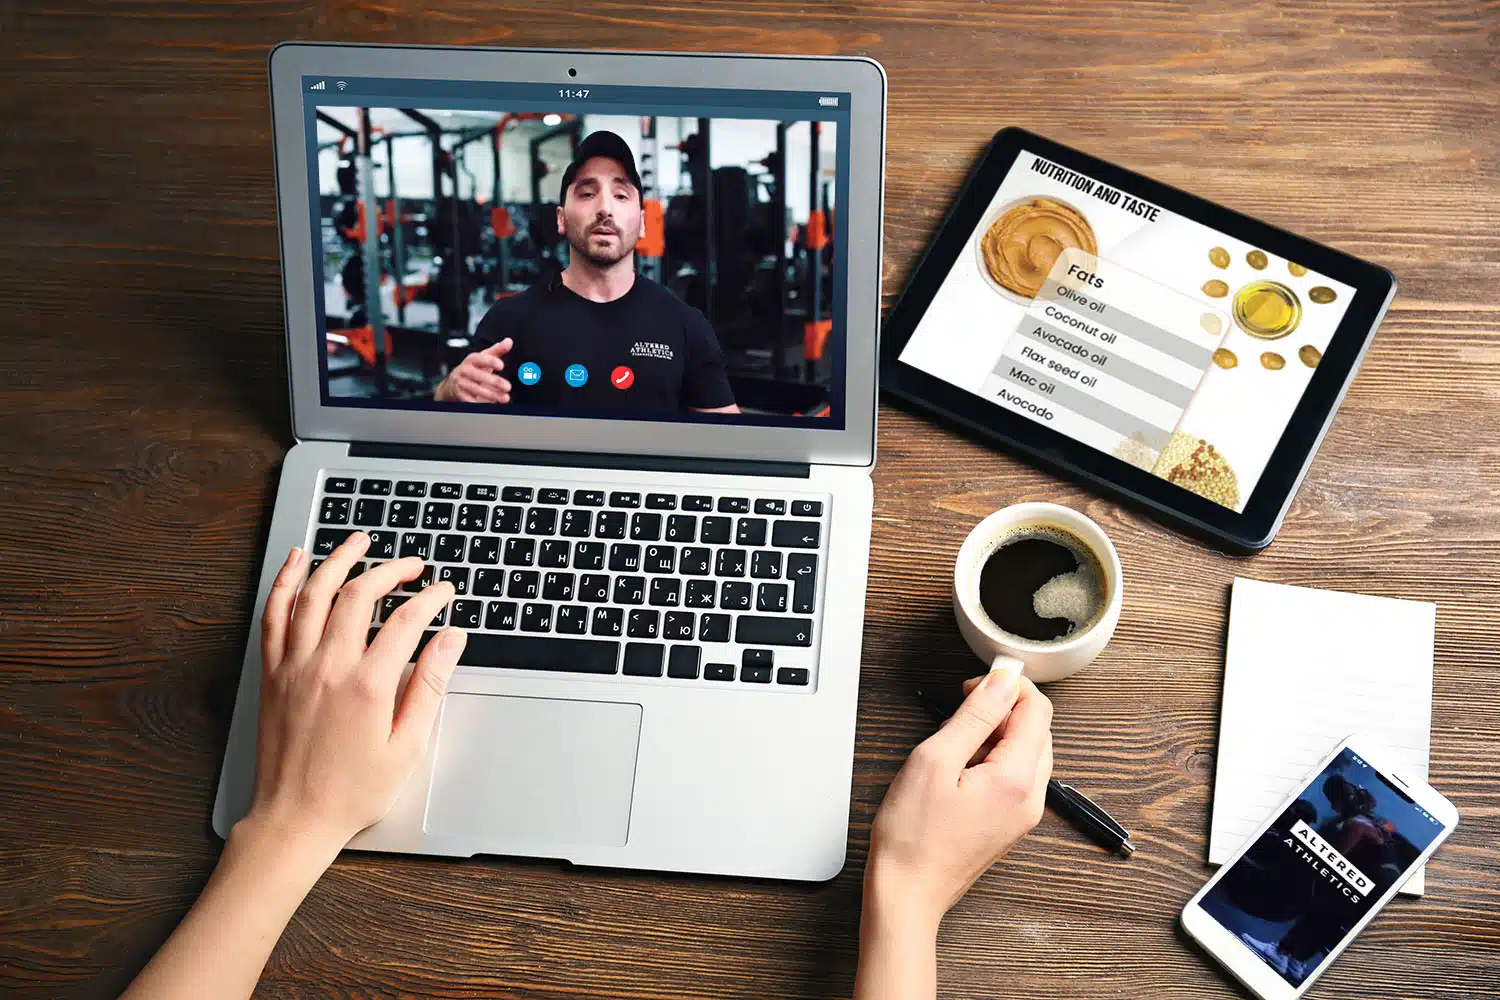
column 828, row 102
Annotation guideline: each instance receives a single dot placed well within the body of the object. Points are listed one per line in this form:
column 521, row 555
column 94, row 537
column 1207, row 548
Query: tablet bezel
column 1247, row 531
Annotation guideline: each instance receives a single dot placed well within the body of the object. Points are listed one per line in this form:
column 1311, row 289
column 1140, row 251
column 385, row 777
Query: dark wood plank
column 145, row 417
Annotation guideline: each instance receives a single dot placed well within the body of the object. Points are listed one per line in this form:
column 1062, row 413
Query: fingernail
column 359, row 537
column 295, row 556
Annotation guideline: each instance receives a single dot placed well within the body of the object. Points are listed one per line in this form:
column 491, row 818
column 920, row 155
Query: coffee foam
column 1079, row 596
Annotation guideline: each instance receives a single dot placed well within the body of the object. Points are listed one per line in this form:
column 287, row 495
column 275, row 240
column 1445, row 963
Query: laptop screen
column 640, row 253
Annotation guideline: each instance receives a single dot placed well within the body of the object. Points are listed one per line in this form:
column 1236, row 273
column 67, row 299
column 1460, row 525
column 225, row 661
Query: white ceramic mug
column 1040, row 661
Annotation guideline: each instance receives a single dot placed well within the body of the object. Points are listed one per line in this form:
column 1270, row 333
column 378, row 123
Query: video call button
column 530, row 373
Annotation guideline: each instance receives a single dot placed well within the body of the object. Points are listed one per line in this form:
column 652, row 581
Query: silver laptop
column 594, row 334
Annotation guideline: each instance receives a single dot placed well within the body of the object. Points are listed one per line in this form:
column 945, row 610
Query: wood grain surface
column 144, row 420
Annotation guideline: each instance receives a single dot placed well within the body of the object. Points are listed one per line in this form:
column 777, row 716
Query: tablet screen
column 1131, row 329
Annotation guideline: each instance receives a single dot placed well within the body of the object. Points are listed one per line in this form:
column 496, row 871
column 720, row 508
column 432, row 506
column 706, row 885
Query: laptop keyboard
column 684, row 586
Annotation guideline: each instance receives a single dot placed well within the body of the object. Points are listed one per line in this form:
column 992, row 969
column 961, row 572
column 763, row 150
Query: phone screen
column 1321, row 866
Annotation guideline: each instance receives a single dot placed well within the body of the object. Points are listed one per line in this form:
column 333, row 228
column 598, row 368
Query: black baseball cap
column 608, row 145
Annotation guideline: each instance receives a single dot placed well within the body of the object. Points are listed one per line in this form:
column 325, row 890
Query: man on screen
column 598, row 335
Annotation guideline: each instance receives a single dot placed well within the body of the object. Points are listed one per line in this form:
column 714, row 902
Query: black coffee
column 1041, row 584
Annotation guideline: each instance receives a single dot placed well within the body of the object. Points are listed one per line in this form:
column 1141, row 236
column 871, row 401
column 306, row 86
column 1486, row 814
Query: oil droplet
column 1322, row 295
column 1297, row 269
column 1215, row 289
column 1212, row 325
column 1225, row 358
column 1256, row 259
column 1267, row 309
column 1273, row 361
column 1310, row 355
column 1218, row 257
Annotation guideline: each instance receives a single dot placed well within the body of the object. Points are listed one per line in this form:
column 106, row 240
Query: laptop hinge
column 579, row 460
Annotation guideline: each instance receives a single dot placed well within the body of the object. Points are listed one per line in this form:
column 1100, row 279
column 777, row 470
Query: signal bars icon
column 320, row 85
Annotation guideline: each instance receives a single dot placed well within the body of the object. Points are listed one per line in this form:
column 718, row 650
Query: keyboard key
column 755, row 675
column 554, row 553
column 802, row 570
column 771, row 597
column 456, row 575
column 328, row 539
column 389, row 603
column 718, row 672
column 630, row 590
column 357, row 569
column 450, row 548
column 516, row 494
column 416, row 543
column 334, row 510
column 678, row 625
column 607, row 621
column 369, row 513
column 660, row 558
column 730, row 562
column 532, row 652
column 682, row 528
column 682, row 662
column 749, row 629
column 642, row 624
column 750, row 531
column 716, row 530
column 505, row 520
column 713, row 628
column 576, row 523
column 796, row 534
column 382, row 545
column 541, row 521
column 609, row 524
column 520, row 551
column 489, row 583
column 734, row 505
column 765, row 564
column 645, row 527
column 484, row 550
column 697, row 502
column 807, row 508
column 375, row 487
column 594, row 588
column 473, row 516
column 403, row 514
column 536, row 618
column 499, row 616
column 523, row 583
column 571, row 619
column 588, row 555
column 624, row 558
column 734, row 596
column 338, row 484
column 661, row 501
column 466, row 614
column 437, row 516
column 642, row 659
column 777, row 507
column 791, row 675
column 622, row 499
column 557, row 587
column 429, row 574
column 447, row 491
column 408, row 488
column 692, row 561
column 481, row 491
column 664, row 591
column 757, row 658
column 553, row 496
column 700, row 593
column 588, row 498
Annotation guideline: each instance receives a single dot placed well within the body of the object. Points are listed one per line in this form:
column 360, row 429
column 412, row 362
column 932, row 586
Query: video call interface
column 616, row 252
column 1320, row 867
column 1136, row 331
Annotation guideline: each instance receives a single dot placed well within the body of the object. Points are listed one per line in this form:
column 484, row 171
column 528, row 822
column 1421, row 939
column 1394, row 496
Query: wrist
column 896, row 907
column 296, row 851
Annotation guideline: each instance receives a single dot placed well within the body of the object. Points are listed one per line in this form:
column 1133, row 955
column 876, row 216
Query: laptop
column 594, row 335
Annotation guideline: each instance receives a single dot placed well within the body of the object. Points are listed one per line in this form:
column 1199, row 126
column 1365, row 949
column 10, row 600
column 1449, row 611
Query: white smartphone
column 1292, row 898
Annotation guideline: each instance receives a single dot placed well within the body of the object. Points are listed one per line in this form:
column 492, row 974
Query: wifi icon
column 341, row 85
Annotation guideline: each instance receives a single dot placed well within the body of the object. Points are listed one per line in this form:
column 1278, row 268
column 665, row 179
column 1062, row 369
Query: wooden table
column 145, row 417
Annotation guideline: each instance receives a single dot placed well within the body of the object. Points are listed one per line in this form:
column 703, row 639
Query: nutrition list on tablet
column 1084, row 358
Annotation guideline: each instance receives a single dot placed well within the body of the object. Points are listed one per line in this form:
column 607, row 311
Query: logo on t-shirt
column 651, row 349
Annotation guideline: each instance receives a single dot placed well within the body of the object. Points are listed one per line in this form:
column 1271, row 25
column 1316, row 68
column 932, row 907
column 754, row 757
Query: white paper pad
column 1303, row 669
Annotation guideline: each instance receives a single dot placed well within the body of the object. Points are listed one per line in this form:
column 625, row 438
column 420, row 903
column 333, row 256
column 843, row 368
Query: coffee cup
column 1090, row 594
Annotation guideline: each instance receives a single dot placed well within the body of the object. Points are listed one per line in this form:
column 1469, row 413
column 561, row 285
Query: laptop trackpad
column 534, row 771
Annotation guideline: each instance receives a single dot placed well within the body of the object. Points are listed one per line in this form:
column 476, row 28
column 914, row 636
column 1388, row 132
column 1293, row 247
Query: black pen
column 1067, row 801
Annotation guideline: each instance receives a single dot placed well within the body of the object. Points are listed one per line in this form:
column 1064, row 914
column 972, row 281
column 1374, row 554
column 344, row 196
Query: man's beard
column 579, row 243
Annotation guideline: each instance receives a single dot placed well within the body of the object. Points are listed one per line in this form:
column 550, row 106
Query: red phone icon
column 622, row 377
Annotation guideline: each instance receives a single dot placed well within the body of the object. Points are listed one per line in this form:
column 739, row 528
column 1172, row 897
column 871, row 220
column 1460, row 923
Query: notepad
column 1303, row 669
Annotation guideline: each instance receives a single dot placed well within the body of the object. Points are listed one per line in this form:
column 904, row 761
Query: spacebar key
column 529, row 652
column 753, row 631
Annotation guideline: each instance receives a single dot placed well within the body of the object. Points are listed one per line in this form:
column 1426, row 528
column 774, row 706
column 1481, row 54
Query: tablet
column 1162, row 348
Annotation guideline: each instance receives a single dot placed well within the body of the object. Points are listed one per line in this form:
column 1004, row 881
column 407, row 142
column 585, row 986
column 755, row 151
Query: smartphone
column 1318, row 870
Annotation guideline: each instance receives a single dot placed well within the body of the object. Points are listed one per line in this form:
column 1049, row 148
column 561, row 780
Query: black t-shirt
column 668, row 346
